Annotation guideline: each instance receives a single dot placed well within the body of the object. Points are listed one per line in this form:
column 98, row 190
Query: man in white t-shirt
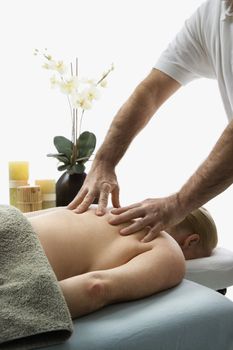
column 203, row 48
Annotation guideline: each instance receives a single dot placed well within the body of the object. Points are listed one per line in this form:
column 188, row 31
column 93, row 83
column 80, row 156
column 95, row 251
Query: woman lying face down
column 96, row 266
column 196, row 234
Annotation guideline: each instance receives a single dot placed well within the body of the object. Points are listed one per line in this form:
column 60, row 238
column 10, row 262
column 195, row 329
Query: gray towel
column 33, row 311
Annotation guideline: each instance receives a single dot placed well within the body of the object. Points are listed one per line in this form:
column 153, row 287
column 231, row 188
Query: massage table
column 190, row 316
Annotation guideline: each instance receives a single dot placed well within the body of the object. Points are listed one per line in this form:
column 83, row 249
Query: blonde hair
column 201, row 222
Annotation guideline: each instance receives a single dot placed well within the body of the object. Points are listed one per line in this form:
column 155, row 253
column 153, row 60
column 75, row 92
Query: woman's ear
column 191, row 241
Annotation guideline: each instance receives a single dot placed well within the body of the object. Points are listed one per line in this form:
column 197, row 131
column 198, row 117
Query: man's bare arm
column 132, row 117
column 135, row 114
column 213, row 176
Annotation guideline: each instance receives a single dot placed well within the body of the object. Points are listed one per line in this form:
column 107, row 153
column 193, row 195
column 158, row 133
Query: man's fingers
column 116, row 197
column 103, row 199
column 153, row 233
column 78, row 199
column 87, row 201
column 136, row 226
column 101, row 210
column 126, row 216
column 117, row 211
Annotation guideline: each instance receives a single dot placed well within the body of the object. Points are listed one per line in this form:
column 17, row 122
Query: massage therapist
column 203, row 48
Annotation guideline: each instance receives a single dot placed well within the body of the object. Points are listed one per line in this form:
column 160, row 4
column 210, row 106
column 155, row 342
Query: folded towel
column 33, row 311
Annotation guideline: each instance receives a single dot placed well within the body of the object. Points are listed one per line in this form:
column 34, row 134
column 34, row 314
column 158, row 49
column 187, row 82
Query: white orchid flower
column 57, row 66
column 46, row 66
column 104, row 83
column 92, row 93
column 69, row 85
column 60, row 67
column 81, row 100
column 81, row 92
column 54, row 82
column 51, row 65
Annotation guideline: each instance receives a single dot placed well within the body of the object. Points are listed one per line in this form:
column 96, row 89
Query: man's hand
column 99, row 183
column 155, row 214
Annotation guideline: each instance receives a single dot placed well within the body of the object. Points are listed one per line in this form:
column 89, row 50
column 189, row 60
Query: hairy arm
column 213, row 176
column 132, row 117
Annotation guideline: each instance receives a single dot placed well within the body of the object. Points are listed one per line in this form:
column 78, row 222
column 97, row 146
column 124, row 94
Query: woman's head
column 196, row 234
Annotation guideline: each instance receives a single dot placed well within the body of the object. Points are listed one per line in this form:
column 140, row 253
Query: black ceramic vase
column 67, row 187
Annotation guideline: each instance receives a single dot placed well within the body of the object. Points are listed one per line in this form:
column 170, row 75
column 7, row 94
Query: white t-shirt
column 204, row 48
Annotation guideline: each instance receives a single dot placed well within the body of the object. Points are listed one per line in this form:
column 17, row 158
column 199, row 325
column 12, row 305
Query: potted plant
column 73, row 154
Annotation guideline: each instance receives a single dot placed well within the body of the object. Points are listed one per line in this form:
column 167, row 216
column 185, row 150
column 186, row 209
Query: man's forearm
column 130, row 119
column 134, row 115
column 213, row 176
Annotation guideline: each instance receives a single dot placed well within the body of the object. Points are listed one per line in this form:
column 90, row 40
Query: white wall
column 131, row 34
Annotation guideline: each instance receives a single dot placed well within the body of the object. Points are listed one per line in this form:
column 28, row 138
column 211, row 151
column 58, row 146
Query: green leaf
column 55, row 154
column 86, row 145
column 60, row 156
column 63, row 145
column 63, row 159
column 62, row 167
column 77, row 169
column 82, row 160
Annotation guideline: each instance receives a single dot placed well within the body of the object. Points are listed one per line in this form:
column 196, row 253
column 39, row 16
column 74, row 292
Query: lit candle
column 18, row 176
column 48, row 192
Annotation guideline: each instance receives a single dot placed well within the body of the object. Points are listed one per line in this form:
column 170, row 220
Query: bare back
column 80, row 243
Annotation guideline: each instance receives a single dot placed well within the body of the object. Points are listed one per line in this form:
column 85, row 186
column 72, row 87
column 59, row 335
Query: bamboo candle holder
column 29, row 198
column 18, row 176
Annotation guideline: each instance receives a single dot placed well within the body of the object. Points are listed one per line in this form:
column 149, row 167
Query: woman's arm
column 158, row 269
